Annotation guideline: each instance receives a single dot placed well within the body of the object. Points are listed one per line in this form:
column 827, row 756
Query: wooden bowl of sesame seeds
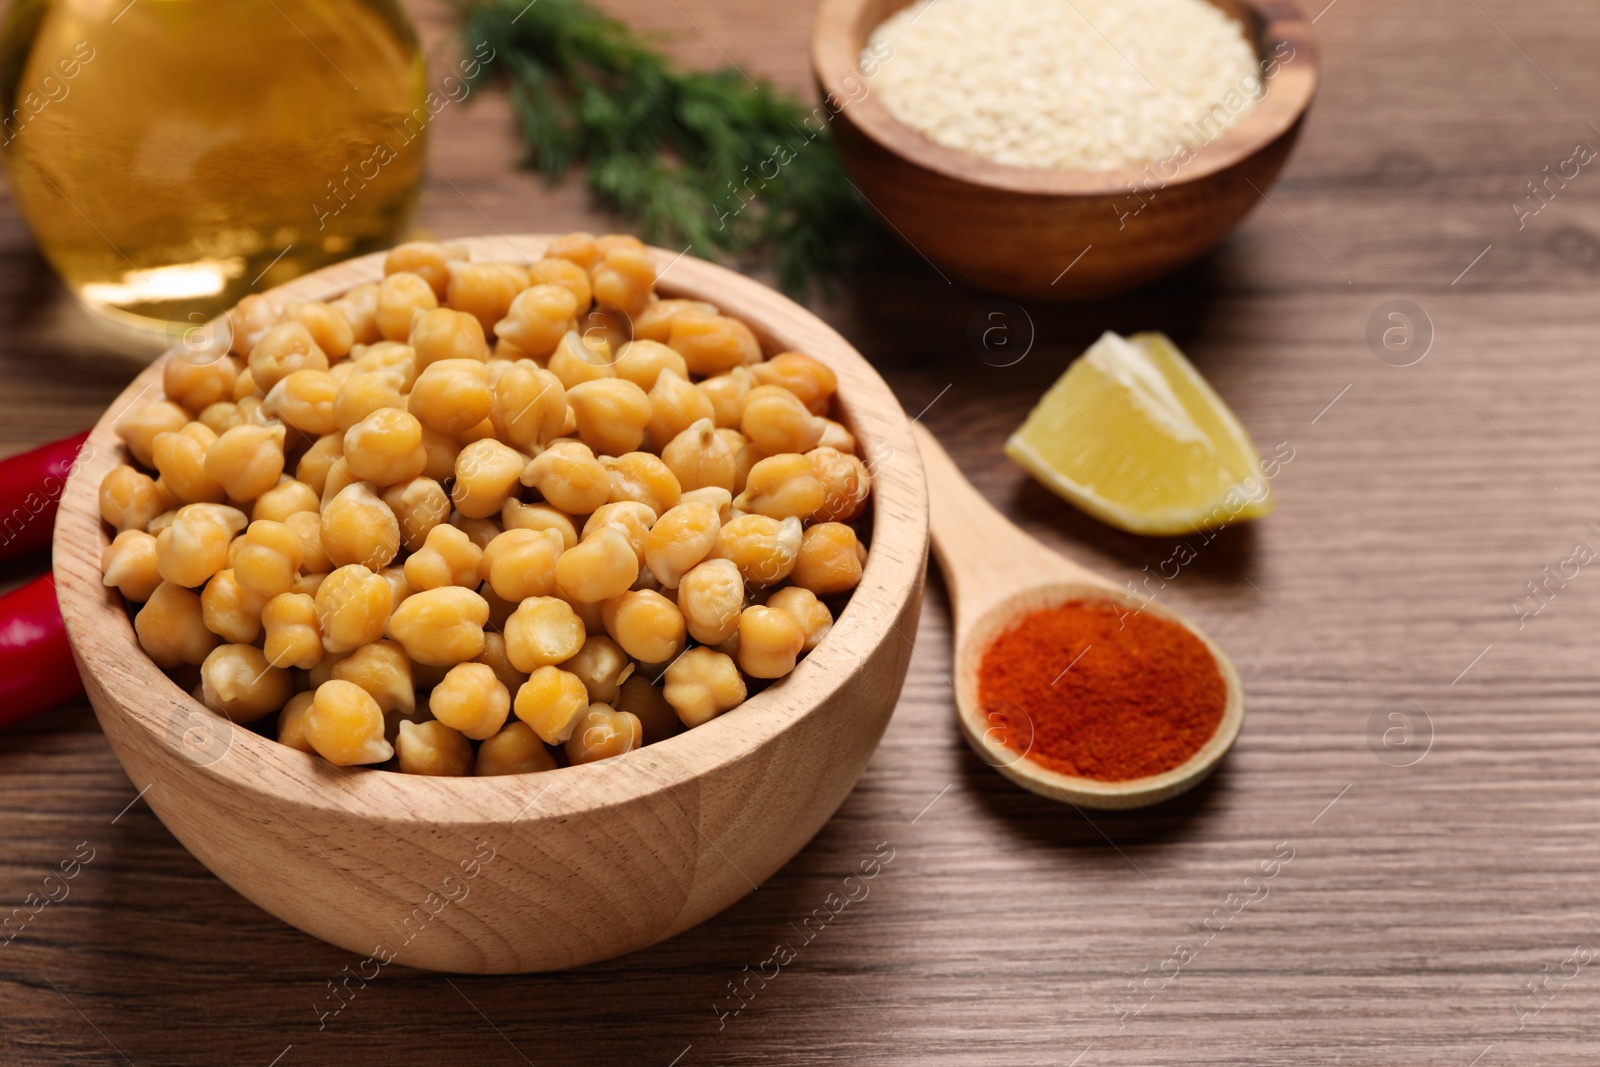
column 526, row 872
column 1052, row 233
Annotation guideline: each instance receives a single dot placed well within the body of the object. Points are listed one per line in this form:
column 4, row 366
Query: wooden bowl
column 1052, row 234
column 532, row 872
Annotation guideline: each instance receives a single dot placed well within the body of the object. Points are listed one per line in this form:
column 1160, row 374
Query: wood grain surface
column 1409, row 909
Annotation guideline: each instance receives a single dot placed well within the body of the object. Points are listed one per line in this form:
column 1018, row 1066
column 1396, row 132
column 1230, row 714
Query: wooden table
column 1441, row 912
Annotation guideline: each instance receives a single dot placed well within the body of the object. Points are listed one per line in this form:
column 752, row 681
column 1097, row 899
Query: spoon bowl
column 997, row 575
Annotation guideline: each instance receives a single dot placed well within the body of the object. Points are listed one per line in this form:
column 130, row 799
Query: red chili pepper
column 36, row 666
column 30, row 492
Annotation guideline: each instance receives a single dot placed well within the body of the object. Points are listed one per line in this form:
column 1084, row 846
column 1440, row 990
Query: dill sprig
column 704, row 160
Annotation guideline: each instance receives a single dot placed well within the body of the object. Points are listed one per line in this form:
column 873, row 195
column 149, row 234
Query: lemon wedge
column 1133, row 435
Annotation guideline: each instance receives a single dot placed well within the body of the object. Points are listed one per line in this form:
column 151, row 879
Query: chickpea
column 307, row 526
column 337, row 480
column 834, row 435
column 803, row 606
column 237, row 681
column 230, row 610
column 624, row 280
column 452, row 396
column 446, row 334
column 642, row 363
column 282, row 350
column 702, row 684
column 198, row 385
column 448, row 557
column 612, row 414
column 139, row 427
column 769, row 642
column 249, row 321
column 479, row 531
column 519, row 516
column 129, row 499
column 530, row 406
column 472, row 700
column 292, row 723
column 419, row 505
column 745, row 456
column 565, row 273
column 603, row 666
column 432, row 747
column 395, row 575
column 391, row 356
column 399, row 296
column 568, row 475
column 764, row 549
column 830, row 559
column 246, row 461
column 360, row 309
column 600, row 567
column 304, row 400
column 727, row 394
column 426, row 260
column 711, row 596
column 345, row 725
column 286, row 498
column 293, row 640
column 329, row 327
column 629, row 517
column 244, row 388
column 579, row 247
column 603, row 733
column 220, row 417
column 484, row 290
column 589, row 611
column 128, row 565
column 192, row 548
column 552, row 701
column 366, row 391
column 699, row 457
column 645, row 702
column 675, row 406
column 181, row 460
column 654, row 323
column 441, row 627
column 522, row 563
column 353, row 607
column 171, row 627
column 713, row 344
column 537, row 319
column 642, row 477
column 268, row 558
column 647, row 625
column 385, row 448
column 776, row 421
column 487, row 473
column 514, row 750
column 811, row 380
column 579, row 359
column 313, row 467
column 680, row 540
column 846, row 485
column 494, row 644
column 358, row 527
column 782, row 487
column 309, row 583
column 718, row 498
column 542, row 632
column 382, row 669
column 442, row 451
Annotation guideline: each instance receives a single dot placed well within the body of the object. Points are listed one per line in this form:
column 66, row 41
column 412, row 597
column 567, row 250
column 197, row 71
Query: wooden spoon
column 996, row 574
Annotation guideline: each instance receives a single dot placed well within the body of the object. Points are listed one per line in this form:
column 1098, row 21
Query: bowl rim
column 133, row 689
column 839, row 32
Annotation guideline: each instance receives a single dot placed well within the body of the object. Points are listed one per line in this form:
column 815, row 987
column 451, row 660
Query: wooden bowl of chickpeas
column 504, row 605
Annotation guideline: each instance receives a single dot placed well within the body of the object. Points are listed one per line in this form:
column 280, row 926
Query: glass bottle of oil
column 173, row 155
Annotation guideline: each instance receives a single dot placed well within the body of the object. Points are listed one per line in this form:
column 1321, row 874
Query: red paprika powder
column 1094, row 690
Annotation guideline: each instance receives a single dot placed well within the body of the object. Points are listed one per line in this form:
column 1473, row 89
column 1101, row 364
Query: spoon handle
column 984, row 556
